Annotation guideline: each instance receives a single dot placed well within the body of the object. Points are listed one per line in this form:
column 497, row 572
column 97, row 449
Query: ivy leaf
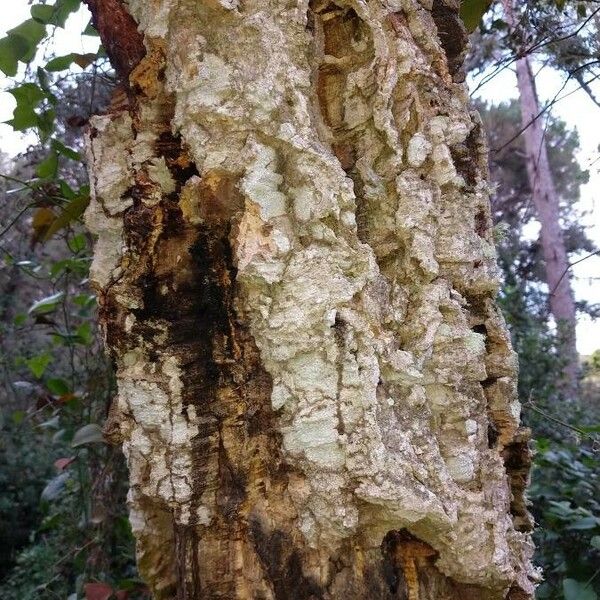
column 62, row 10
column 42, row 13
column 65, row 150
column 28, row 93
column 472, row 11
column 66, row 190
column 28, row 96
column 576, row 590
column 73, row 210
column 59, row 63
column 48, row 167
column 88, row 434
column 45, row 123
column 37, row 364
column 47, row 304
column 8, row 57
column 90, row 30
column 57, row 386
column 26, row 37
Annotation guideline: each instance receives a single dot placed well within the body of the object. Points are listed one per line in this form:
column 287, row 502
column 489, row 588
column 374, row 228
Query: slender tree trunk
column 297, row 279
column 546, row 202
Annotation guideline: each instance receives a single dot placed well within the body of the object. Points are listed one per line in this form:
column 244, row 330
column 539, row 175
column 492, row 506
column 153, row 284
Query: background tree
column 520, row 254
column 565, row 483
column 546, row 201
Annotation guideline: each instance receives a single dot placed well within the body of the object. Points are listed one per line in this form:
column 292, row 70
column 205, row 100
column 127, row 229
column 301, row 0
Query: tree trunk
column 296, row 278
column 547, row 206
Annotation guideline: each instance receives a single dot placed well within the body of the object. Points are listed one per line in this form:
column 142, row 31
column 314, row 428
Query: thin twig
column 572, row 265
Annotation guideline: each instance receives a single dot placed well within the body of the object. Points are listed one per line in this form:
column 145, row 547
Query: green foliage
column 22, row 478
column 472, row 11
column 63, row 520
column 566, row 492
column 65, row 487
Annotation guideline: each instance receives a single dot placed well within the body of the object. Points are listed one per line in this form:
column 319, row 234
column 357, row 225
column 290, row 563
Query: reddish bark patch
column 118, row 31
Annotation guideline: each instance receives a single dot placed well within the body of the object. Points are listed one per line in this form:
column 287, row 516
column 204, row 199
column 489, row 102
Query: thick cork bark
column 297, row 279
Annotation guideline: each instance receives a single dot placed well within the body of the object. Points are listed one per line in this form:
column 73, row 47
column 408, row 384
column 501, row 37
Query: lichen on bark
column 297, row 279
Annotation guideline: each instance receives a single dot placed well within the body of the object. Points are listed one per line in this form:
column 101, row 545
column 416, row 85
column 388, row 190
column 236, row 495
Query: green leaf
column 62, row 10
column 18, row 416
column 90, row 30
column 55, row 486
column 84, row 332
column 23, row 118
column 576, row 590
column 28, row 96
column 9, row 61
column 66, row 190
column 59, row 63
column 72, row 211
column 47, row 304
column 44, row 81
column 19, row 320
column 42, row 13
column 65, row 150
column 79, row 266
column 88, row 434
column 48, row 167
column 585, row 523
column 45, row 123
column 57, row 386
column 77, row 243
column 28, row 93
column 472, row 11
column 595, row 542
column 37, row 364
column 84, row 300
column 26, row 38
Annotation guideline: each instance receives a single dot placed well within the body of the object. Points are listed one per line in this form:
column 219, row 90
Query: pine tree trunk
column 297, row 277
column 546, row 202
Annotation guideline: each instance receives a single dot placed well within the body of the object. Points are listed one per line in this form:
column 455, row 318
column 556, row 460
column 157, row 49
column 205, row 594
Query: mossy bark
column 297, row 277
